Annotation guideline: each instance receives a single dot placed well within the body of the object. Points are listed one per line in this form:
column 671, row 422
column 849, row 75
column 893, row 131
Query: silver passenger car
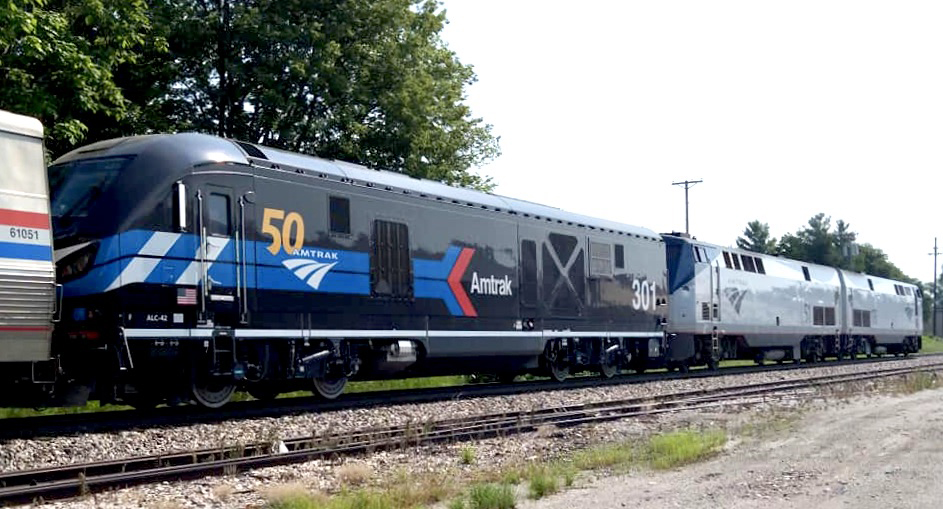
column 729, row 303
column 27, row 269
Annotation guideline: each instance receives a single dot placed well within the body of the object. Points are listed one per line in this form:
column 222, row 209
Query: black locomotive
column 194, row 266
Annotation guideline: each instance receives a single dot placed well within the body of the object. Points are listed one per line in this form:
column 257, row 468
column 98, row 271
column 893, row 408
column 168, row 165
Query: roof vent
column 251, row 150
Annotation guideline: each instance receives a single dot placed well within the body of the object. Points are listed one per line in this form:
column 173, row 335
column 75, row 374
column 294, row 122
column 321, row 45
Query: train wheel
column 608, row 361
column 607, row 367
column 329, row 388
column 212, row 391
column 555, row 357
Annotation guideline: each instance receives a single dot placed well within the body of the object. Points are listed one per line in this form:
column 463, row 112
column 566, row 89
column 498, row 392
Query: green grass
column 917, row 382
column 667, row 450
column 543, row 482
column 403, row 492
column 92, row 406
column 491, row 496
column 467, row 455
column 406, row 383
column 678, row 448
column 931, row 344
column 496, row 491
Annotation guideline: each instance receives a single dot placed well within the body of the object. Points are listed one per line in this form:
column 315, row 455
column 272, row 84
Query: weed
column 542, row 483
column 769, row 425
column 917, row 382
column 678, row 448
column 491, row 496
column 353, row 474
column 457, row 503
column 292, row 496
column 605, row 456
column 468, row 455
column 569, row 475
column 222, row 492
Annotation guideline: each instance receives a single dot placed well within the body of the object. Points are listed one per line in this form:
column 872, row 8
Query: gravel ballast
column 22, row 454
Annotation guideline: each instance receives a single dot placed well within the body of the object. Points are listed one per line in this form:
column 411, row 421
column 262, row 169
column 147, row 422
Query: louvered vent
column 251, row 149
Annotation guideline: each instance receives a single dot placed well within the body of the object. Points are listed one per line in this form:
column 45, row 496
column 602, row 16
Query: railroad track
column 72, row 480
column 56, row 425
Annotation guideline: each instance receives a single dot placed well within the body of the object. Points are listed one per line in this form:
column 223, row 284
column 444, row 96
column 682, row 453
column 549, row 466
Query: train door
column 224, row 214
column 715, row 292
column 529, row 284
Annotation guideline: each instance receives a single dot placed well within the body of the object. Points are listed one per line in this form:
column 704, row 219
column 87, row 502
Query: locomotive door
column 715, row 292
column 224, row 214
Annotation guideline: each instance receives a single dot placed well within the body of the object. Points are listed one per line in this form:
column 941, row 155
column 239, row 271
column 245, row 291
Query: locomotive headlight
column 77, row 263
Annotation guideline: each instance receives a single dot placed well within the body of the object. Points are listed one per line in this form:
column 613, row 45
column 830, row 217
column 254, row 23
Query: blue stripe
column 270, row 278
column 264, row 271
column 95, row 281
column 437, row 269
column 25, row 251
column 432, row 289
column 431, row 279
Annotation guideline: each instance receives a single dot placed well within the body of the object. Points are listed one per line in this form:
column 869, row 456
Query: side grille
column 27, row 299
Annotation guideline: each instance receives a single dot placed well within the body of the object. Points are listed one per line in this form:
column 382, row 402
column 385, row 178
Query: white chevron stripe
column 304, row 271
column 315, row 280
column 139, row 268
column 215, row 246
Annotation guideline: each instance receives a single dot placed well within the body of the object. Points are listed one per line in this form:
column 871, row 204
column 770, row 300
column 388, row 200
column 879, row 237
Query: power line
column 688, row 184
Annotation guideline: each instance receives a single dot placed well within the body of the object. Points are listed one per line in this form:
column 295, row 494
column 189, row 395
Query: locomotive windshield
column 75, row 185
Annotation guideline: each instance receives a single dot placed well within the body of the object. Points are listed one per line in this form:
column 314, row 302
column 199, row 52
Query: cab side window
column 218, row 221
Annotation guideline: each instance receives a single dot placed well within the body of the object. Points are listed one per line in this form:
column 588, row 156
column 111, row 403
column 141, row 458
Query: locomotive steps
column 78, row 479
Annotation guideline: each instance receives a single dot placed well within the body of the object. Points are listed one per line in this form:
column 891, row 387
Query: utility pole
column 934, row 253
column 688, row 184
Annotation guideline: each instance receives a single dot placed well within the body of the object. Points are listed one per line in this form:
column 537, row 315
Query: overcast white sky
column 784, row 109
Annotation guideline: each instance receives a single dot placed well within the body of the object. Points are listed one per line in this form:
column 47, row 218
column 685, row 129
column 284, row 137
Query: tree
column 816, row 243
column 367, row 81
column 818, row 240
column 873, row 261
column 756, row 238
column 57, row 59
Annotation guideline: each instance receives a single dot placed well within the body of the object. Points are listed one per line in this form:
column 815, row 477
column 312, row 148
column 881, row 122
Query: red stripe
column 24, row 329
column 455, row 281
column 24, row 219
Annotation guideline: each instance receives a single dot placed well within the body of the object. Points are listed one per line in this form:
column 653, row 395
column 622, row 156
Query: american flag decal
column 186, row 296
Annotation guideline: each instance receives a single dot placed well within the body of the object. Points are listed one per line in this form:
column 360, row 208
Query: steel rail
column 77, row 479
column 64, row 424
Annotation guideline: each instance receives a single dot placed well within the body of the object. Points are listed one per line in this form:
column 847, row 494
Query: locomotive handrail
column 57, row 303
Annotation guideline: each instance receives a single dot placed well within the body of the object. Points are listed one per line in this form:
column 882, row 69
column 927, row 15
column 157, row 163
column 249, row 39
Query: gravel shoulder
column 869, row 453
column 44, row 452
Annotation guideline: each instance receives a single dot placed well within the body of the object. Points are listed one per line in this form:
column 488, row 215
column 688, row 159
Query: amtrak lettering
column 490, row 285
column 315, row 253
column 312, row 265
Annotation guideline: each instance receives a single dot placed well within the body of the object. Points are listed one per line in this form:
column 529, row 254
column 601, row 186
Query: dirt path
column 875, row 453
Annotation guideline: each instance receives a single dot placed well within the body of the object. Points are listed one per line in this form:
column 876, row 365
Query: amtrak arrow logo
column 309, row 271
column 455, row 281
column 735, row 296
